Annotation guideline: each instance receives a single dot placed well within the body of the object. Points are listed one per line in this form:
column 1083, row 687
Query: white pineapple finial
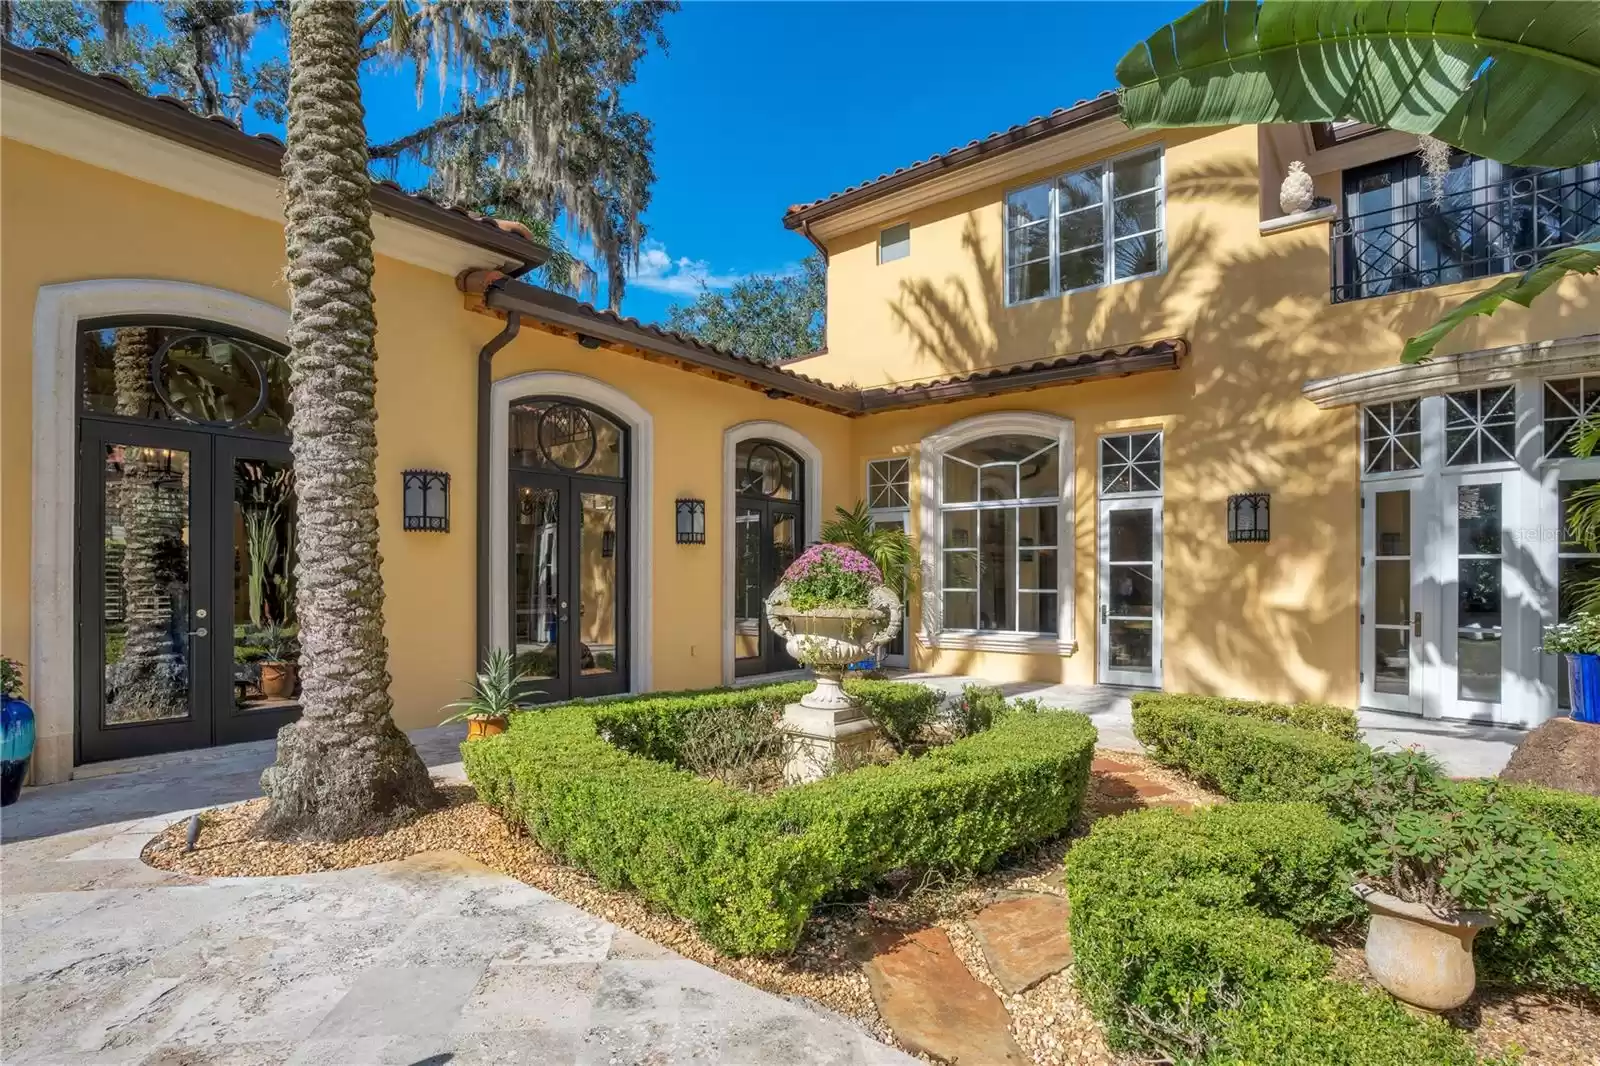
column 1297, row 193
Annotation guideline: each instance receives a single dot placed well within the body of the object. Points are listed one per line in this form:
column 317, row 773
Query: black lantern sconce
column 1249, row 517
column 691, row 521
column 427, row 500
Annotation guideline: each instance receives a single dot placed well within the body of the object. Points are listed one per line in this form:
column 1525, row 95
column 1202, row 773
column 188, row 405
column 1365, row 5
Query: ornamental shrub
column 1570, row 817
column 746, row 869
column 1243, row 756
column 1558, row 947
column 830, row 575
column 1318, row 717
column 1186, row 942
column 976, row 709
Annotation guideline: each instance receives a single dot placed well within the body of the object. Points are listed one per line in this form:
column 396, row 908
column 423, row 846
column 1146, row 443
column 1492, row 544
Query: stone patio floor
column 434, row 959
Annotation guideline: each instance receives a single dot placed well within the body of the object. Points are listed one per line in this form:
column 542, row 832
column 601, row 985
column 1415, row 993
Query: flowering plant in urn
column 832, row 608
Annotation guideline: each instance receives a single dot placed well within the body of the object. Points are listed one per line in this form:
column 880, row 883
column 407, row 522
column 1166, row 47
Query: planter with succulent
column 1438, row 865
column 1578, row 641
column 832, row 609
column 16, row 732
column 280, row 651
column 495, row 694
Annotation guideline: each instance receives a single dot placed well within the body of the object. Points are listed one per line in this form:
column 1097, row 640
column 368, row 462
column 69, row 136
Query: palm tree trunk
column 344, row 768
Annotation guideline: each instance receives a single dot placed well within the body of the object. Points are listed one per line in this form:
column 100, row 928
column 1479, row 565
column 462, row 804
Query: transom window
column 1130, row 463
column 764, row 469
column 565, row 438
column 889, row 484
column 1480, row 426
column 998, row 520
column 1090, row 227
column 197, row 374
column 1568, row 403
column 1391, row 437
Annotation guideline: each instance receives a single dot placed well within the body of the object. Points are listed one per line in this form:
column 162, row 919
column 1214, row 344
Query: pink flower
column 844, row 557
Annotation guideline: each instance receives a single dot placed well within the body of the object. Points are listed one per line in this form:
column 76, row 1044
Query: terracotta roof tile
column 1057, row 121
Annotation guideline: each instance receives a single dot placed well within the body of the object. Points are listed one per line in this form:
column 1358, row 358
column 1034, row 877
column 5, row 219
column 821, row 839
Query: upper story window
column 197, row 374
column 894, row 243
column 1490, row 218
column 1102, row 224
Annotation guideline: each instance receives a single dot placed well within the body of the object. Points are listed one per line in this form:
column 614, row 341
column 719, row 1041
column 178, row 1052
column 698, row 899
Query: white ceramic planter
column 1421, row 958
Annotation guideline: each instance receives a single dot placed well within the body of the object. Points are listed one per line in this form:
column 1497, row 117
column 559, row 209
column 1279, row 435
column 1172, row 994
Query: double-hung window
column 1101, row 224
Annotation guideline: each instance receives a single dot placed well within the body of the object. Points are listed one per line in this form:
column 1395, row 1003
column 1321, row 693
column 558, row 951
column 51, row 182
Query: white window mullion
column 1108, row 215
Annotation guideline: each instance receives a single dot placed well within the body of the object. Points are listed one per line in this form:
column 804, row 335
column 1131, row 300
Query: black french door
column 569, row 574
column 767, row 538
column 185, row 563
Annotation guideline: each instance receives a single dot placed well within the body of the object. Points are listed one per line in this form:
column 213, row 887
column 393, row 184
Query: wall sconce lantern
column 1249, row 517
column 691, row 521
column 427, row 500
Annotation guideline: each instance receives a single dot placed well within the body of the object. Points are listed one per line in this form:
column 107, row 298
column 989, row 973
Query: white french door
column 1396, row 619
column 1130, row 592
column 1482, row 653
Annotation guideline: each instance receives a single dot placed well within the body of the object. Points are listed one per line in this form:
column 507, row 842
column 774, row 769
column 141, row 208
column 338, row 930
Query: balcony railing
column 1500, row 228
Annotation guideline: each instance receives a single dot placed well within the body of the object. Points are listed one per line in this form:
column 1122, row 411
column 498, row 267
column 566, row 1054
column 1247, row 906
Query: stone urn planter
column 1420, row 957
column 828, row 640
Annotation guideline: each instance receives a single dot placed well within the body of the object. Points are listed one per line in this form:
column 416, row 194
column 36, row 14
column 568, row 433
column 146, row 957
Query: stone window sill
column 1015, row 643
column 1284, row 223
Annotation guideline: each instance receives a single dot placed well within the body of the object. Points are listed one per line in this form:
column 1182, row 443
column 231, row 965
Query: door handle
column 1416, row 624
column 201, row 632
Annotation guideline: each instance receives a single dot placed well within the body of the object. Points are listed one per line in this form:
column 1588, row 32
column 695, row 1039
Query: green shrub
column 903, row 710
column 1185, row 941
column 1558, row 948
column 1239, row 755
column 746, row 870
column 1318, row 717
column 975, row 709
column 1570, row 817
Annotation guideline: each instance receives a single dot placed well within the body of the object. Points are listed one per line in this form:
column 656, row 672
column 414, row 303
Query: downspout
column 486, row 356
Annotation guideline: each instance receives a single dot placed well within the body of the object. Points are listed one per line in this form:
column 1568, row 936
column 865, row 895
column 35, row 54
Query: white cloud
column 659, row 272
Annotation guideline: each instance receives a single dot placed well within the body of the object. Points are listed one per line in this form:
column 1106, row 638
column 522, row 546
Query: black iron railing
column 1499, row 228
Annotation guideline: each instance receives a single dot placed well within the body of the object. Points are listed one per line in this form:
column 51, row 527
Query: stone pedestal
column 817, row 736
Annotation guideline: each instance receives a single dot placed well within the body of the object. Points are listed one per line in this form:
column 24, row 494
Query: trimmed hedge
column 746, row 869
column 1558, row 949
column 1185, row 941
column 1245, row 756
column 1570, row 817
column 1318, row 717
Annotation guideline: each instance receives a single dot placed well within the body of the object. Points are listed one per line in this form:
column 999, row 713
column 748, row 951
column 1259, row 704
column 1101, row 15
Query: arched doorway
column 568, row 475
column 186, row 538
column 768, row 532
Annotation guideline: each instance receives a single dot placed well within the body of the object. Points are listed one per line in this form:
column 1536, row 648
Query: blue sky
column 760, row 105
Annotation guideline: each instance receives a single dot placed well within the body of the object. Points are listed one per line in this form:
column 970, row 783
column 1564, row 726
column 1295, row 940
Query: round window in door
column 568, row 476
column 768, row 533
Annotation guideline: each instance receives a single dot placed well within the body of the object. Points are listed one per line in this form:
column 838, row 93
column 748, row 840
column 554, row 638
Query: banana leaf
column 1518, row 82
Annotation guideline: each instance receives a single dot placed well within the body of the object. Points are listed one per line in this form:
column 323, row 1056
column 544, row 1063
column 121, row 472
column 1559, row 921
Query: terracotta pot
column 1421, row 958
column 485, row 727
column 277, row 679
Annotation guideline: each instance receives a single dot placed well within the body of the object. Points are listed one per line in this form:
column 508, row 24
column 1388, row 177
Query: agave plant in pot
column 280, row 647
column 1438, row 865
column 832, row 609
column 494, row 695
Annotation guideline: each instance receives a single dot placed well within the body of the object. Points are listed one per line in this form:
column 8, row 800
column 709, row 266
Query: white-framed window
column 888, row 484
column 1094, row 226
column 1480, row 426
column 996, row 503
column 1391, row 437
column 894, row 242
column 1130, row 463
column 1568, row 403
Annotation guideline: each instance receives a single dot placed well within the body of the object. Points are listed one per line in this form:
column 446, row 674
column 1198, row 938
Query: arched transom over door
column 568, row 478
column 769, row 531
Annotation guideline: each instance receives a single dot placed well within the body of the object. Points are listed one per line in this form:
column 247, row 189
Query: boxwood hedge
column 1186, row 941
column 747, row 869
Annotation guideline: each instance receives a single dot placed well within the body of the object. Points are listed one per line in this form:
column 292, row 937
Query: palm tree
column 344, row 768
column 888, row 547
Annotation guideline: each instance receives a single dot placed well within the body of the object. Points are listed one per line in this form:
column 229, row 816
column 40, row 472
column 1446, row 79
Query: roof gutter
column 508, row 295
column 113, row 99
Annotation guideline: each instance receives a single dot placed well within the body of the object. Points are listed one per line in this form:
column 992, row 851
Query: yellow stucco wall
column 1276, row 620
column 66, row 221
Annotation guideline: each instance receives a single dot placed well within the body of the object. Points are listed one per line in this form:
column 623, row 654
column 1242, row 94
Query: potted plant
column 493, row 697
column 16, row 732
column 279, row 671
column 1578, row 641
column 1438, row 865
column 833, row 609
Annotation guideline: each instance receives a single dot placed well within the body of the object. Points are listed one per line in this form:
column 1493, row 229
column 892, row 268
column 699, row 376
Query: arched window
column 995, row 542
column 160, row 370
column 765, row 469
column 563, row 437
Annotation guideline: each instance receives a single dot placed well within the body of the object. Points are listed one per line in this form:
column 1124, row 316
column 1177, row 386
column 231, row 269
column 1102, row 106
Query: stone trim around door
column 1566, row 357
column 811, row 456
column 53, row 608
column 641, row 466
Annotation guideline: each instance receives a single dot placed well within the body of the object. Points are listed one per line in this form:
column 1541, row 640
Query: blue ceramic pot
column 1583, row 681
column 16, row 747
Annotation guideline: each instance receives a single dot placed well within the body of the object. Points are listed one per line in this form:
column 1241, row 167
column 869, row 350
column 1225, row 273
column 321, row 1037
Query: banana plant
column 1510, row 81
